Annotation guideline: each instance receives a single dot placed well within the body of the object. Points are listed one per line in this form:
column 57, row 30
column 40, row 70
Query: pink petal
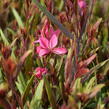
column 82, row 4
column 43, row 42
column 39, row 75
column 59, row 50
column 44, row 70
column 57, row 32
column 45, row 28
column 52, row 32
column 53, row 41
column 40, row 71
column 43, row 52
column 44, row 31
column 37, row 41
column 38, row 49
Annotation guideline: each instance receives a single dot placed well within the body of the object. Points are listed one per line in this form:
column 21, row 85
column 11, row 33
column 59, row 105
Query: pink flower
column 48, row 32
column 48, row 44
column 40, row 72
column 82, row 4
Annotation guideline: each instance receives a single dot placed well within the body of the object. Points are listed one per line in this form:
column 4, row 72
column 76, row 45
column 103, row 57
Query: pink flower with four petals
column 48, row 44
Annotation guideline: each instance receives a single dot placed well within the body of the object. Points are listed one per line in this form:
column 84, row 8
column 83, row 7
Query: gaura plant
column 54, row 54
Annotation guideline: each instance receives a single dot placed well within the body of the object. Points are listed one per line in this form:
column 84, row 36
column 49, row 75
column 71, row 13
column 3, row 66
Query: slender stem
column 84, row 25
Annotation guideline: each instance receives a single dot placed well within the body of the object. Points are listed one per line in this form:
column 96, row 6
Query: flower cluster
column 40, row 72
column 48, row 44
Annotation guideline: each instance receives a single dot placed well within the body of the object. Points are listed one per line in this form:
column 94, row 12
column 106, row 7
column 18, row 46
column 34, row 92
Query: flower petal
column 38, row 49
column 40, row 71
column 57, row 32
column 44, row 70
column 43, row 52
column 82, row 4
column 53, row 41
column 45, row 29
column 43, row 42
column 39, row 75
column 37, row 41
column 59, row 50
column 52, row 32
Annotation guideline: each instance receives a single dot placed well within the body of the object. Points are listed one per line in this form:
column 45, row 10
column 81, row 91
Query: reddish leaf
column 82, row 72
column 89, row 60
column 82, row 66
column 6, row 52
column 96, row 25
column 92, row 30
column 26, row 54
column 9, row 66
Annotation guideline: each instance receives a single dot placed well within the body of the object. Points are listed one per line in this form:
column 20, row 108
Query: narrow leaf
column 21, row 83
column 11, row 31
column 95, row 68
column 99, row 65
column 95, row 90
column 50, row 94
column 26, row 54
column 27, row 89
column 35, row 103
column 5, row 40
column 16, row 15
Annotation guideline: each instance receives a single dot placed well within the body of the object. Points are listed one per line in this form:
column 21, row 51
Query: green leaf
column 60, row 4
column 4, row 86
column 50, row 108
column 18, row 18
column 42, row 2
column 104, row 69
column 1, row 77
column 50, row 94
column 90, row 84
column 95, row 68
column 21, row 84
column 27, row 89
column 77, row 87
column 53, row 19
column 96, row 89
column 36, row 100
column 11, row 31
column 5, row 40
column 28, row 63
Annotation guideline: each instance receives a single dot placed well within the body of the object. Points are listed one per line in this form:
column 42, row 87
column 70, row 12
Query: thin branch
column 84, row 25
